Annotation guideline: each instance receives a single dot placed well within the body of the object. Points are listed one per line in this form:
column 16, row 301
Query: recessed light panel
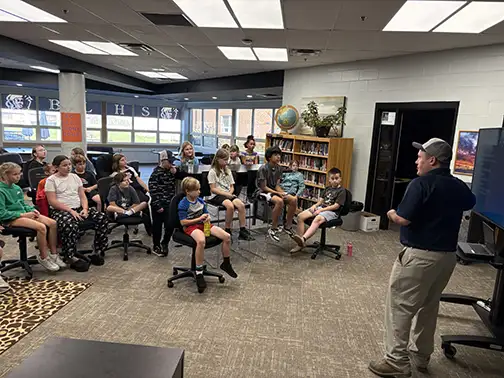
column 421, row 15
column 151, row 74
column 110, row 48
column 207, row 13
column 259, row 14
column 28, row 12
column 40, row 68
column 272, row 54
column 173, row 75
column 476, row 17
column 162, row 75
column 237, row 53
column 7, row 17
column 79, row 47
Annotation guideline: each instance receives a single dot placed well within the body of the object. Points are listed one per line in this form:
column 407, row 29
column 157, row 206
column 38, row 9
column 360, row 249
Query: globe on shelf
column 287, row 117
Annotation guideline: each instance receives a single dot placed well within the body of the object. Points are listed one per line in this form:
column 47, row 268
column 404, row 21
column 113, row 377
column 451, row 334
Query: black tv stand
column 491, row 312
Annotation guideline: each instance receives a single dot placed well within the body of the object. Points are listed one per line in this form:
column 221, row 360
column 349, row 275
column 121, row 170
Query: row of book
column 312, row 193
column 313, row 163
column 286, row 159
column 284, row 144
column 315, row 148
column 315, row 178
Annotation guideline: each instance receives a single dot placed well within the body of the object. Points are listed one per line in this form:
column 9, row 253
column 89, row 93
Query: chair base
column 188, row 272
column 7, row 265
column 126, row 245
column 321, row 248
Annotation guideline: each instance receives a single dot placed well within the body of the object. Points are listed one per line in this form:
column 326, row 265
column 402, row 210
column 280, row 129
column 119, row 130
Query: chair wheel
column 135, row 231
column 201, row 289
column 222, row 279
column 449, row 351
column 102, row 254
column 337, row 257
column 313, row 256
column 125, row 258
column 175, row 272
column 170, row 284
column 149, row 251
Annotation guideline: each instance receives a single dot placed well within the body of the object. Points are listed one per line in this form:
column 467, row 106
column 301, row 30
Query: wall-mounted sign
column 18, row 102
column 168, row 112
column 93, row 107
column 121, row 110
column 49, row 104
column 146, row 111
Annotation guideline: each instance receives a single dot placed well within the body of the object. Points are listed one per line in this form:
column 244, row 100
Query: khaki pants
column 417, row 280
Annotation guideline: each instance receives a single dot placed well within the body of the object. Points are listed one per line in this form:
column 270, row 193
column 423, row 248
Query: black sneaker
column 228, row 268
column 289, row 231
column 157, row 251
column 245, row 235
column 96, row 259
column 79, row 265
column 200, row 282
column 164, row 248
column 273, row 234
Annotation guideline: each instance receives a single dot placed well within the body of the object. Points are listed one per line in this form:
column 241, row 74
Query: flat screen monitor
column 488, row 176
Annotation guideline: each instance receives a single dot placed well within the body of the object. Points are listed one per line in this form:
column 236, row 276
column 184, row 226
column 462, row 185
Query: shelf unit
column 318, row 156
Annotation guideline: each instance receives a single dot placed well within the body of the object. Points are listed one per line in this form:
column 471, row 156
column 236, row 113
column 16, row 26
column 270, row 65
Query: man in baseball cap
column 167, row 155
column 429, row 214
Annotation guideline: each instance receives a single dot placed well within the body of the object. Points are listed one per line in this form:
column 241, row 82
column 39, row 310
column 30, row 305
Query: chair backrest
column 11, row 158
column 205, row 186
column 135, row 164
column 109, row 150
column 35, row 175
column 348, row 201
column 206, row 160
column 103, row 166
column 173, row 217
column 104, row 185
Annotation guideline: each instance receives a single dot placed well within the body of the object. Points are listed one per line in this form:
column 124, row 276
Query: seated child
column 268, row 186
column 222, row 188
column 234, row 156
column 293, row 181
column 193, row 214
column 123, row 199
column 88, row 180
column 326, row 209
column 41, row 199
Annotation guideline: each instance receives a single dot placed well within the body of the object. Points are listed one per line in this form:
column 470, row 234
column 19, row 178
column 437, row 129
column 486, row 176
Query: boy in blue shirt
column 193, row 214
column 293, row 182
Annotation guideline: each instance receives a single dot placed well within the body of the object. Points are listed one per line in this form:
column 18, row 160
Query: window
column 209, row 121
column 169, row 125
column 243, row 122
column 49, row 115
column 276, row 129
column 223, row 141
column 197, row 120
column 166, row 138
column 146, row 118
column 225, row 123
column 262, row 122
column 119, row 117
column 93, row 122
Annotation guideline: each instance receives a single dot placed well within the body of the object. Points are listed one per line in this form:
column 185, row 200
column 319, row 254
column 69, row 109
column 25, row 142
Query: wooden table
column 65, row 358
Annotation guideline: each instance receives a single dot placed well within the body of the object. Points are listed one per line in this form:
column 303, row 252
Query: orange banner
column 71, row 127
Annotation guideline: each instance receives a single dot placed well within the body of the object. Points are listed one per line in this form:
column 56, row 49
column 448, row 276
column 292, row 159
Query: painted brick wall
column 475, row 77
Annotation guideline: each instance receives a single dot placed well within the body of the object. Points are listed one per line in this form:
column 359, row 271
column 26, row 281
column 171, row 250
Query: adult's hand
column 75, row 214
column 391, row 214
column 84, row 213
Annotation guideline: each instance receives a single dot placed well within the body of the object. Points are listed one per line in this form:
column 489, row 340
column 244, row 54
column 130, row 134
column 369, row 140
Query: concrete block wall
column 474, row 77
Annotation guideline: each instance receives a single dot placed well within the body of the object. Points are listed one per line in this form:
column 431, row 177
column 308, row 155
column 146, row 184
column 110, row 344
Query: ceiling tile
column 223, row 37
column 310, row 15
column 153, row 6
column 25, row 30
column 266, row 38
column 109, row 32
column 174, row 51
column 75, row 13
column 113, row 11
column 206, row 52
column 377, row 15
column 187, row 35
column 307, row 39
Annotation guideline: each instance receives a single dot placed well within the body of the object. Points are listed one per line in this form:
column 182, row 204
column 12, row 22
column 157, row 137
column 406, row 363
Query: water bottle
column 349, row 249
column 206, row 229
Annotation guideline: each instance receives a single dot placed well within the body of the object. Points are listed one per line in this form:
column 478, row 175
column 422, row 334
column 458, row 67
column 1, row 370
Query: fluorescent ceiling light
column 214, row 98
column 207, row 13
column 261, row 14
column 28, row 12
column 162, row 75
column 136, row 96
column 237, row 53
column 186, row 98
column 422, row 16
column 249, row 96
column 79, row 47
column 19, row 84
column 40, row 68
column 476, row 17
column 110, row 48
column 271, row 54
column 4, row 16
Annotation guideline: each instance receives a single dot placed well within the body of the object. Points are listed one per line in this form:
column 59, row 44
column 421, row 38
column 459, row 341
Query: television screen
column 488, row 177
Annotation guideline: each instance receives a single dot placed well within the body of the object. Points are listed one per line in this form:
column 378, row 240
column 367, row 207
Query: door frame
column 399, row 108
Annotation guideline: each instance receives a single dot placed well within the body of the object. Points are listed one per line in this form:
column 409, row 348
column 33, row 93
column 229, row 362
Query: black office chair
column 11, row 158
column 135, row 164
column 108, row 150
column 179, row 236
column 104, row 185
column 103, row 166
column 321, row 245
column 24, row 261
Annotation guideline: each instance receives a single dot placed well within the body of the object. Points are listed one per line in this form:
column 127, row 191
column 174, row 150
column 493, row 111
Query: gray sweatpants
column 417, row 280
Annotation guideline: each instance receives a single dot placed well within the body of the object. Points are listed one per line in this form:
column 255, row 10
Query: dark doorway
column 392, row 162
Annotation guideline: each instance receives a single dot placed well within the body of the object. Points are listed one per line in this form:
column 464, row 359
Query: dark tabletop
column 71, row 358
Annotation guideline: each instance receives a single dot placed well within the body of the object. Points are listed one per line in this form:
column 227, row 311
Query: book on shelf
column 315, row 178
column 284, row 144
column 286, row 159
column 318, row 164
column 315, row 148
column 312, row 193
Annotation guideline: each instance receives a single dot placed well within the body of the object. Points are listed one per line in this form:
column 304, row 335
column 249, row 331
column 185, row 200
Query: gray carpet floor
column 285, row 316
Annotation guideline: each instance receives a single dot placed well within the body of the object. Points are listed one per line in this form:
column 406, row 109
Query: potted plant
column 322, row 124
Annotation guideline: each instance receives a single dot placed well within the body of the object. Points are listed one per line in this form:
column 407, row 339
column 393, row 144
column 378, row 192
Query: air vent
column 304, row 52
column 137, row 47
column 167, row 19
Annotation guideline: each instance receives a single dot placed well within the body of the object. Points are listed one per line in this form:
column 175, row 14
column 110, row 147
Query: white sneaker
column 48, row 264
column 273, row 234
column 56, row 259
column 4, row 286
column 296, row 249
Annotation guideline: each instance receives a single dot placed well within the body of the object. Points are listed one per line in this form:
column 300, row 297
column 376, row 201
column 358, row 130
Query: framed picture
column 326, row 105
column 466, row 152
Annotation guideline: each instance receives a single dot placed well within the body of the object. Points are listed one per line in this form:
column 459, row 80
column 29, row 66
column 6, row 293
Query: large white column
column 72, row 94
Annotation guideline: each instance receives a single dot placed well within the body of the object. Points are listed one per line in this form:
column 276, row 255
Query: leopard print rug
column 31, row 303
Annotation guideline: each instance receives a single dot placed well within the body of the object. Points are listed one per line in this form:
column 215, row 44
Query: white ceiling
column 333, row 26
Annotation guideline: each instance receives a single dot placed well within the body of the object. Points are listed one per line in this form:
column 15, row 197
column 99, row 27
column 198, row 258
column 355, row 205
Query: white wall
column 475, row 77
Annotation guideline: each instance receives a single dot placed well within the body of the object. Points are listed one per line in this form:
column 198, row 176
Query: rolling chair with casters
column 24, row 261
column 11, row 158
column 179, row 236
column 322, row 246
column 135, row 164
column 103, row 188
column 103, row 166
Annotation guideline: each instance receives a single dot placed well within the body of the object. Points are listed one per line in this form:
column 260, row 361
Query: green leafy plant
column 312, row 118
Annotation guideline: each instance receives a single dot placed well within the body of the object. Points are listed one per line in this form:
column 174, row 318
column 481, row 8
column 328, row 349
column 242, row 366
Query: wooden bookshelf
column 315, row 157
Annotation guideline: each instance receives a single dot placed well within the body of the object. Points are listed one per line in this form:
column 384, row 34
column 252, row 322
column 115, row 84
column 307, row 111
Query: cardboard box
column 369, row 222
